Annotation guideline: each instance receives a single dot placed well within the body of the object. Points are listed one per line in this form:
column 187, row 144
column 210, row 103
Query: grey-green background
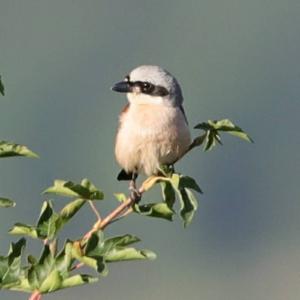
column 235, row 59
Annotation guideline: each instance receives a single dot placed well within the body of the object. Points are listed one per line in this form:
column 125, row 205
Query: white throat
column 139, row 98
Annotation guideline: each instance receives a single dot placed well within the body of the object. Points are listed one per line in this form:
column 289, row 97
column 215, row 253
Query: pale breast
column 150, row 135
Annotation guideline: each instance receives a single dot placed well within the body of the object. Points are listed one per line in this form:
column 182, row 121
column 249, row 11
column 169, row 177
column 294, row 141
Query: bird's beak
column 122, row 87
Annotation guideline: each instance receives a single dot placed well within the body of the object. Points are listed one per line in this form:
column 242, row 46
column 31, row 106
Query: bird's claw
column 135, row 195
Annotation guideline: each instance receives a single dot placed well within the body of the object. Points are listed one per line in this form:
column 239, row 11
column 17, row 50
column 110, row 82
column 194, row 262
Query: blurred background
column 234, row 59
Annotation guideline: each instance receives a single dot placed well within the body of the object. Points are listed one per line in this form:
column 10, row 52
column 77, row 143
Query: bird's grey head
column 151, row 85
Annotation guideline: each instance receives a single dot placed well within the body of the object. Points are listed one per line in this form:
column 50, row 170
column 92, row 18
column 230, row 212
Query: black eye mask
column 150, row 89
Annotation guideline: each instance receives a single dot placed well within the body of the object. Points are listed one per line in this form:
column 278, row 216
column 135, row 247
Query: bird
column 153, row 129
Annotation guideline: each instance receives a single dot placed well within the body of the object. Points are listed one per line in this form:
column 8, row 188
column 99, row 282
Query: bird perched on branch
column 153, row 129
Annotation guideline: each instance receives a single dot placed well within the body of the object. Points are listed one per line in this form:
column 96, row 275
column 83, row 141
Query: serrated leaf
column 52, row 282
column 227, row 126
column 221, row 124
column 115, row 249
column 151, row 181
column 70, row 210
column 24, row 229
column 47, row 226
column 188, row 204
column 129, row 254
column 210, row 142
column 204, row 126
column 4, row 202
column 156, row 210
column 94, row 243
column 224, row 125
column 8, row 149
column 168, row 193
column 10, row 266
column 190, row 183
column 94, row 193
column 120, row 241
column 47, row 274
column 77, row 280
column 84, row 190
column 94, row 261
column 64, row 259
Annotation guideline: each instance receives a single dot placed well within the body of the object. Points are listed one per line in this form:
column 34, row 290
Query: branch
column 122, row 210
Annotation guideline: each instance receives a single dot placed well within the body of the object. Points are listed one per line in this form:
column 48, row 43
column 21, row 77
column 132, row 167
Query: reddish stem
column 35, row 296
column 118, row 211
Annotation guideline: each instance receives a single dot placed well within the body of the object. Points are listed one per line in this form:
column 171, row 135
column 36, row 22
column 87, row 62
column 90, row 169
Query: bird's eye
column 147, row 87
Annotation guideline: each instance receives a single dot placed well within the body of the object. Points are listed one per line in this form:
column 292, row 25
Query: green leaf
column 175, row 180
column 151, row 181
column 168, row 193
column 210, row 141
column 115, row 249
column 10, row 265
column 77, row 280
column 2, row 91
column 49, row 222
column 156, row 210
column 47, row 226
column 188, row 204
column 4, row 202
column 94, row 243
column 70, row 210
column 64, row 259
column 129, row 254
column 48, row 273
column 213, row 127
column 120, row 197
column 8, row 149
column 24, row 229
column 190, row 183
column 227, row 126
column 94, row 261
column 84, row 190
column 52, row 282
column 121, row 241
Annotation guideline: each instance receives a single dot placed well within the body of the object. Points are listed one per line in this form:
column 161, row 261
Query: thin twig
column 35, row 296
column 101, row 224
column 95, row 210
column 77, row 266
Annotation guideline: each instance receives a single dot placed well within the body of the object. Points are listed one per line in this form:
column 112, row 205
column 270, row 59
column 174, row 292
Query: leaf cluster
column 212, row 129
column 57, row 270
column 174, row 187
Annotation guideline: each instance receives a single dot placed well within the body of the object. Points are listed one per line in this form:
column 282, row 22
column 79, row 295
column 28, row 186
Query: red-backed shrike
column 153, row 128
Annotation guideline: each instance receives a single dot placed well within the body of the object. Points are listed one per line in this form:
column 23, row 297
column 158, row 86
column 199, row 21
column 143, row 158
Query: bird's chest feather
column 149, row 135
column 147, row 124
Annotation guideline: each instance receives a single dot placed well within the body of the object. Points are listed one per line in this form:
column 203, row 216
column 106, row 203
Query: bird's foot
column 135, row 195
